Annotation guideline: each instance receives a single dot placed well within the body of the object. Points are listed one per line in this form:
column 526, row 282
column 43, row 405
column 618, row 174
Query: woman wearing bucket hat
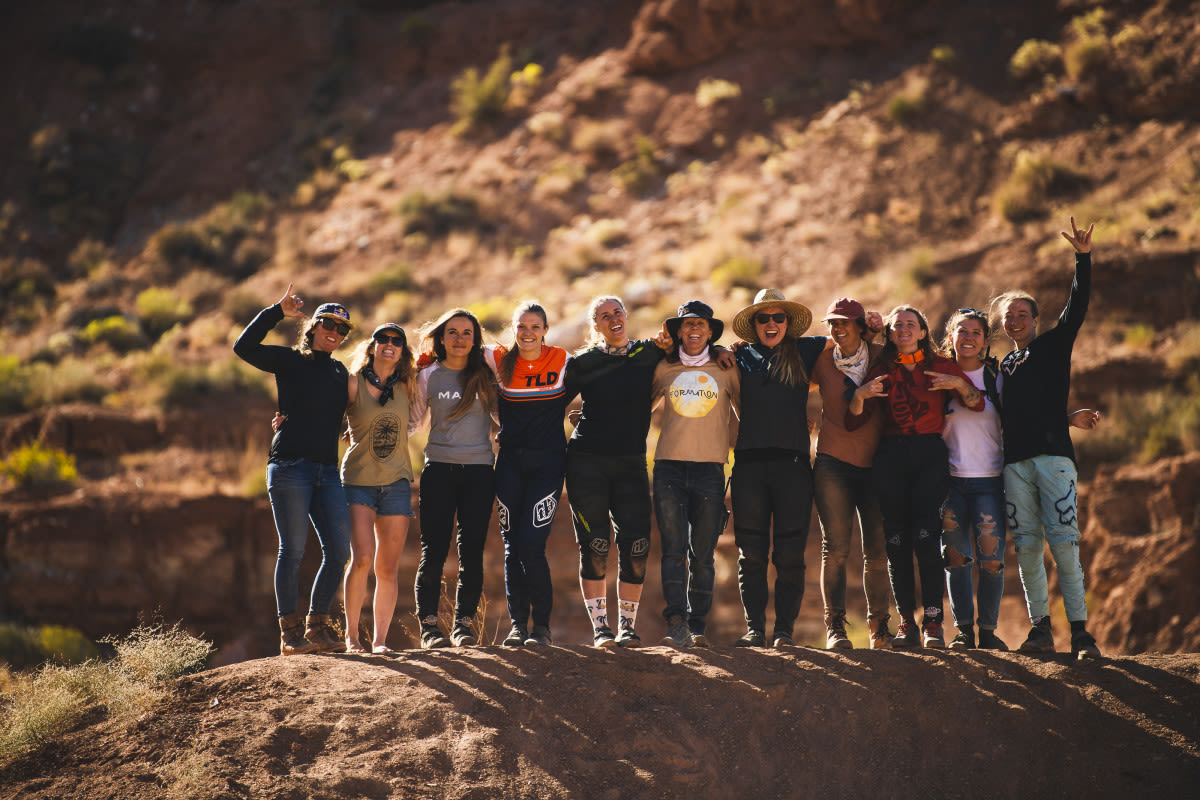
column 689, row 467
column 529, row 467
column 456, row 391
column 842, row 476
column 909, row 388
column 772, row 475
column 302, row 466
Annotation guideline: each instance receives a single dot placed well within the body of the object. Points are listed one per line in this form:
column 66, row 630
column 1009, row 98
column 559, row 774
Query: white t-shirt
column 975, row 440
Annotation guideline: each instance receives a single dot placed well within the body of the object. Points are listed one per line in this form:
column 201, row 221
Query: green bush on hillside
column 1035, row 179
column 1035, row 58
column 476, row 99
column 36, row 465
column 22, row 647
column 160, row 310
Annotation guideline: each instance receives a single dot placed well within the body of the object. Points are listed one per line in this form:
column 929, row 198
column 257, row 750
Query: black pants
column 449, row 490
column 762, row 489
column 528, row 487
column 603, row 488
column 911, row 478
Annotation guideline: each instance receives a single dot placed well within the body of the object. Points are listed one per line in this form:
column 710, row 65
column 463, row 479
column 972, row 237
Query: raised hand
column 1080, row 240
column 1086, row 418
column 291, row 303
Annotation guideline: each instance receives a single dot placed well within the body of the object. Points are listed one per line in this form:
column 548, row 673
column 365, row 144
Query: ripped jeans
column 1043, row 508
column 973, row 532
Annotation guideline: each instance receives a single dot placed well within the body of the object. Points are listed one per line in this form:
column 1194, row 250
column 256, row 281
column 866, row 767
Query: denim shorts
column 392, row 500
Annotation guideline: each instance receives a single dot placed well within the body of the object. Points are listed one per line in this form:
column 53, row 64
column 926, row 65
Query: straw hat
column 799, row 316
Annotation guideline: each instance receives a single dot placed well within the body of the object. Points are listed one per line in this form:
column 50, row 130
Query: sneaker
column 752, row 638
column 907, row 634
column 627, row 636
column 678, row 634
column 432, row 637
column 932, row 635
column 835, row 636
column 1083, row 645
column 881, row 637
column 460, row 634
column 516, row 637
column 1040, row 638
column 965, row 640
column 782, row 639
column 540, row 635
column 988, row 640
column 603, row 637
column 699, row 640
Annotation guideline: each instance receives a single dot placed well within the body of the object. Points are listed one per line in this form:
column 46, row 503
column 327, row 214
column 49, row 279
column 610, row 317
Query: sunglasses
column 383, row 338
column 330, row 325
column 972, row 312
column 763, row 319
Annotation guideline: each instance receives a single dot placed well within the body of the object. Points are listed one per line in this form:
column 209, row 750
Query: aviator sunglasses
column 763, row 319
column 330, row 325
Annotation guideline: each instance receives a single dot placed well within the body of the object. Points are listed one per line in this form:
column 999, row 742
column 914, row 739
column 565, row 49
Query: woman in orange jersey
column 529, row 467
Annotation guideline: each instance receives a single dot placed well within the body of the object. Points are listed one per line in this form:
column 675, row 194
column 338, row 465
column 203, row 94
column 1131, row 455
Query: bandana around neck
column 384, row 387
column 694, row 361
column 612, row 350
column 853, row 366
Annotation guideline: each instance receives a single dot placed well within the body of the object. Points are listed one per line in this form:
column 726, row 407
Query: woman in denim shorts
column 377, row 473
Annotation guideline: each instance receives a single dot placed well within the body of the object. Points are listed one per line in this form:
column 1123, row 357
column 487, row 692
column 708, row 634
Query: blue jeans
column 303, row 490
column 1043, row 509
column 689, row 503
column 973, row 522
column 840, row 490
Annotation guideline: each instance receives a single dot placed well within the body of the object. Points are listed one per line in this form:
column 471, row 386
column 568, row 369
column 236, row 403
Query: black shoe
column 988, row 640
column 752, row 638
column 1083, row 645
column 540, row 635
column 782, row 639
column 1040, row 638
column 965, row 640
column 678, row 634
column 516, row 637
column 603, row 637
column 432, row 637
column 627, row 636
column 460, row 634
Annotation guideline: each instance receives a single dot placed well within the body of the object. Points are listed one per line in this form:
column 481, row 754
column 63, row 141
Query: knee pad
column 593, row 558
column 632, row 558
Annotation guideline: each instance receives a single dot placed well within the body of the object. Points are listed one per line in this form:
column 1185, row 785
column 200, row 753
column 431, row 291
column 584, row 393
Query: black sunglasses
column 763, row 319
column 972, row 312
column 383, row 338
column 330, row 325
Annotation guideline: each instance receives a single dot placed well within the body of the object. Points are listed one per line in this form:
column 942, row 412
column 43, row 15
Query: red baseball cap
column 845, row 308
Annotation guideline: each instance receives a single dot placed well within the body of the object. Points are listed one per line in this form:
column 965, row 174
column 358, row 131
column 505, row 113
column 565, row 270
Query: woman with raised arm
column 457, row 392
column 302, row 466
column 910, row 472
column 529, row 467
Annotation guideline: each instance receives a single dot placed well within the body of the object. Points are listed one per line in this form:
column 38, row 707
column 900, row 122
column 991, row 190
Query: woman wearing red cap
column 302, row 467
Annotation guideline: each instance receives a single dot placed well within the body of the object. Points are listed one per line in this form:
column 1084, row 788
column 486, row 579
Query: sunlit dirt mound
column 655, row 722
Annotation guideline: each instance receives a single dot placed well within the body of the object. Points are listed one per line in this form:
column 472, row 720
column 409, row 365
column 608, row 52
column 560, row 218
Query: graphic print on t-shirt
column 693, row 394
column 384, row 436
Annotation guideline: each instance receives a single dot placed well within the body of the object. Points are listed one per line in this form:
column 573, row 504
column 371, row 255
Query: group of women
column 910, row 443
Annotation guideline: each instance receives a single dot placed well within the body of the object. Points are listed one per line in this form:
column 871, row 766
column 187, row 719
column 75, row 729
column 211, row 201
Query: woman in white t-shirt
column 973, row 520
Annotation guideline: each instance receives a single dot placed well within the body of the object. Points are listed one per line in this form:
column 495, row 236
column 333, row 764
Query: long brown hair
column 476, row 377
column 508, row 364
column 956, row 319
column 890, row 353
column 364, row 356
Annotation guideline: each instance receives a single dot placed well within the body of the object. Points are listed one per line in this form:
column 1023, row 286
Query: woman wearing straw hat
column 772, row 474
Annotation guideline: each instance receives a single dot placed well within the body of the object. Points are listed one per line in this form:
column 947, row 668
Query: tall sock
column 597, row 609
column 628, row 612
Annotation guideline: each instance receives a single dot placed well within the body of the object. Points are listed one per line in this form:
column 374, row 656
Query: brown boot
column 835, row 636
column 291, row 636
column 324, row 638
column 881, row 637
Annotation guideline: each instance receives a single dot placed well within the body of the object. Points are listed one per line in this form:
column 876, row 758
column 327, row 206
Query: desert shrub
column 1090, row 24
column 1084, row 56
column 476, row 99
column 548, row 124
column 1034, row 58
column 396, row 277
column 598, row 139
column 523, row 83
column 71, row 379
column 88, row 257
column 738, row 270
column 1139, row 336
column 1144, row 426
column 14, row 385
column 174, row 385
column 1034, row 180
column 232, row 234
column 118, row 332
column 639, row 174
column 922, row 268
column 1129, row 37
column 438, row 214
column 1160, row 204
column 943, row 55
column 50, row 702
column 23, row 647
column 27, row 288
column 904, row 107
column 35, row 465
column 714, row 90
column 608, row 232
column 1184, row 355
column 493, row 313
column 572, row 254
column 159, row 310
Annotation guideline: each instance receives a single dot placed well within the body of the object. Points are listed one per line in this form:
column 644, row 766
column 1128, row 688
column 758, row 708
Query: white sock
column 628, row 612
column 597, row 609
